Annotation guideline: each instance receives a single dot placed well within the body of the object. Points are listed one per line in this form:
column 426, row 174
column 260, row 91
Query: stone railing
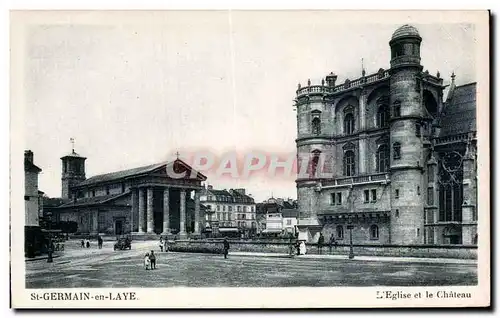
column 357, row 179
column 432, row 79
column 322, row 89
column 454, row 138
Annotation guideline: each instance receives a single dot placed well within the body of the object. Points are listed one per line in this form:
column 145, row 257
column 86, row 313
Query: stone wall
column 428, row 251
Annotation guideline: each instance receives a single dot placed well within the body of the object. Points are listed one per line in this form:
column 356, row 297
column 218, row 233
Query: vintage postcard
column 249, row 159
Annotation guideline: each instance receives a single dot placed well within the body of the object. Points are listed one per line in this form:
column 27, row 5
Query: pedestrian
column 88, row 243
column 161, row 244
column 165, row 244
column 297, row 246
column 332, row 242
column 83, row 243
column 302, row 248
column 321, row 242
column 226, row 247
column 99, row 242
column 147, row 261
column 152, row 259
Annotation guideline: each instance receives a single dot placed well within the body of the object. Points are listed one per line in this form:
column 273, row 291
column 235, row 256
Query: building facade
column 33, row 239
column 229, row 211
column 277, row 217
column 388, row 154
column 153, row 199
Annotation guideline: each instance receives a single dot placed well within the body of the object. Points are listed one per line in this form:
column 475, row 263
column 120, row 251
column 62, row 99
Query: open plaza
column 78, row 267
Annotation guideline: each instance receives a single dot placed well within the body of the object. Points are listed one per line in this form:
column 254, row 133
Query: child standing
column 147, row 262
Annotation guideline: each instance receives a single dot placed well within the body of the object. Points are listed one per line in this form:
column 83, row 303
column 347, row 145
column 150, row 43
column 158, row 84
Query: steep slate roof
column 92, row 200
column 130, row 173
column 220, row 192
column 459, row 114
column 237, row 195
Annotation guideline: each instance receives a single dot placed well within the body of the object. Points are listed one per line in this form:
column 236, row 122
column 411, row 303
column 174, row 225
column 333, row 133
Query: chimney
column 28, row 155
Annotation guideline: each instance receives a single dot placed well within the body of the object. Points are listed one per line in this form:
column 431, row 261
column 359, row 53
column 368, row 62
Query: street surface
column 86, row 268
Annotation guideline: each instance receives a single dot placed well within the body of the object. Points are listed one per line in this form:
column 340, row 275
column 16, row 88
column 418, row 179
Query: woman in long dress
column 302, row 248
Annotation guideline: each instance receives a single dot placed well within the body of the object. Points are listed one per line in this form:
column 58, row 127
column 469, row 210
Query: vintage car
column 123, row 243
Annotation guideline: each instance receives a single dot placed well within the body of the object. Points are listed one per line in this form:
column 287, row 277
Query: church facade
column 390, row 158
column 144, row 200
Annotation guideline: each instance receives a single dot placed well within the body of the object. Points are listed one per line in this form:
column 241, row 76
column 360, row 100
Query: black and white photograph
column 244, row 151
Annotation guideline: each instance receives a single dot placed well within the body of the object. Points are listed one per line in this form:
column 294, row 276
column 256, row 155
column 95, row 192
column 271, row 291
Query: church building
column 392, row 158
column 146, row 200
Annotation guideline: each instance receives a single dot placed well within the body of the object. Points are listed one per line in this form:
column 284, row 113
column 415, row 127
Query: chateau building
column 229, row 211
column 143, row 200
column 390, row 155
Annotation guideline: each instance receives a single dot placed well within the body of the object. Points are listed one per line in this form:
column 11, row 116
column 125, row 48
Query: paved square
column 85, row 268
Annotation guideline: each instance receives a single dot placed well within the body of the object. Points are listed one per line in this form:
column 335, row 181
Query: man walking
column 99, row 242
column 332, row 242
column 226, row 247
column 321, row 241
column 152, row 259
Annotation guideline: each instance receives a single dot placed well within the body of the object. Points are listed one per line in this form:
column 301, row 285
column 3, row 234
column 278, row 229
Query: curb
column 40, row 258
column 364, row 258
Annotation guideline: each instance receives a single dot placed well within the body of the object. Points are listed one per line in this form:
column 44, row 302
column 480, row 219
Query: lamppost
column 49, row 248
column 350, row 227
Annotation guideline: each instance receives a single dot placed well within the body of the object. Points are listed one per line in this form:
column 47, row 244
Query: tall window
column 340, row 232
column 374, row 232
column 349, row 163
column 396, row 149
column 396, row 109
column 450, row 177
column 383, row 116
column 316, row 126
column 332, row 198
column 349, row 124
column 314, row 163
column 418, row 130
column 383, row 158
column 367, row 196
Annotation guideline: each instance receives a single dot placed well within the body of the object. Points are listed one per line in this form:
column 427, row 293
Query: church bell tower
column 73, row 171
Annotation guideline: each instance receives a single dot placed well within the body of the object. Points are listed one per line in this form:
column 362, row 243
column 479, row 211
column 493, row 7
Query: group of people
column 150, row 260
column 86, row 242
column 321, row 242
column 163, row 244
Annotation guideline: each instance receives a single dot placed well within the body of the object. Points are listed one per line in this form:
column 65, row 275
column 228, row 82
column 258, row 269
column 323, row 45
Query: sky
column 133, row 92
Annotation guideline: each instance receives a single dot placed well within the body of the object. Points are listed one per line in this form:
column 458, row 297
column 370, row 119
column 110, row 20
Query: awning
column 231, row 229
column 272, row 231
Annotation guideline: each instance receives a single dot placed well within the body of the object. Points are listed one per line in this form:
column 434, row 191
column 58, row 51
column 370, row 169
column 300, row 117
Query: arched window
column 383, row 158
column 340, row 232
column 316, row 126
column 349, row 163
column 396, row 109
column 374, row 232
column 396, row 150
column 383, row 116
column 349, row 124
